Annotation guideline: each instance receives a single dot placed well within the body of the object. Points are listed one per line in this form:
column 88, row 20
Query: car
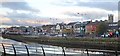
column 105, row 35
column 53, row 34
column 60, row 35
column 79, row 35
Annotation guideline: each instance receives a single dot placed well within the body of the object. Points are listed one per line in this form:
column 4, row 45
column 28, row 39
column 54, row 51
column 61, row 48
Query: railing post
column 4, row 49
column 43, row 50
column 14, row 50
column 116, row 53
column 87, row 52
column 117, row 47
column 63, row 51
column 27, row 50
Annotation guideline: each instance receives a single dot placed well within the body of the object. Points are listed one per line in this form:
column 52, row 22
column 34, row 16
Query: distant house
column 13, row 30
column 71, row 28
column 47, row 28
column 2, row 30
column 60, row 27
column 91, row 27
column 70, row 25
column 53, row 29
column 77, row 27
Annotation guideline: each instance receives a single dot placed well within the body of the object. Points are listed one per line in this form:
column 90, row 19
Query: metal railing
column 26, row 47
column 42, row 48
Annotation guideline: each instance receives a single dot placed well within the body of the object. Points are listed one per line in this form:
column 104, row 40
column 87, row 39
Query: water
column 36, row 50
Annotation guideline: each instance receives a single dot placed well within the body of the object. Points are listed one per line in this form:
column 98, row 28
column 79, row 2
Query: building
column 70, row 27
column 77, row 28
column 13, row 30
column 113, row 26
column 91, row 27
column 110, row 18
column 74, row 27
column 47, row 28
column 80, row 28
column 2, row 30
column 60, row 27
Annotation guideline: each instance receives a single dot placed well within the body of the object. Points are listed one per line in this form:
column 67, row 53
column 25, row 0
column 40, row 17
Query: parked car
column 60, row 35
column 79, row 35
column 53, row 34
column 105, row 35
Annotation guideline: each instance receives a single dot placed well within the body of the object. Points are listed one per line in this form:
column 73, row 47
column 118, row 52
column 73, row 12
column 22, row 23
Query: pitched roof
column 93, row 23
column 72, row 23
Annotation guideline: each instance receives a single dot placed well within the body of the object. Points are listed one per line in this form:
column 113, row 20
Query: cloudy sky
column 39, row 12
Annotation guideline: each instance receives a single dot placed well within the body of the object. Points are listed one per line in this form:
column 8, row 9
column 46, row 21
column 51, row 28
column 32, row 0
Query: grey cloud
column 102, row 5
column 16, row 15
column 88, row 15
column 106, row 0
column 11, row 22
column 18, row 6
column 14, row 22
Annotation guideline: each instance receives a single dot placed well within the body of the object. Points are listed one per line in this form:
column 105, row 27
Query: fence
column 4, row 46
column 14, row 51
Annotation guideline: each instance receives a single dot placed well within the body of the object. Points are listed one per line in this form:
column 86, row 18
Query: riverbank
column 86, row 43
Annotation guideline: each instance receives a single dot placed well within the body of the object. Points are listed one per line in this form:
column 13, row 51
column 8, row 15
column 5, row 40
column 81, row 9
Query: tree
column 119, row 23
column 101, row 28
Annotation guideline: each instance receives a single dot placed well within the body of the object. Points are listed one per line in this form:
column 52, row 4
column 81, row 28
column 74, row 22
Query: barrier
column 15, row 52
column 4, row 49
column 14, row 48
column 63, row 51
column 43, row 50
column 87, row 52
column 27, row 50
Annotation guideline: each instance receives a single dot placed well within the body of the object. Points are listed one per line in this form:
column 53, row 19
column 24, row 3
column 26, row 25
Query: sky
column 42, row 12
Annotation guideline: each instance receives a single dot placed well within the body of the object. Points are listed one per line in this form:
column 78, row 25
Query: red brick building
column 91, row 27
